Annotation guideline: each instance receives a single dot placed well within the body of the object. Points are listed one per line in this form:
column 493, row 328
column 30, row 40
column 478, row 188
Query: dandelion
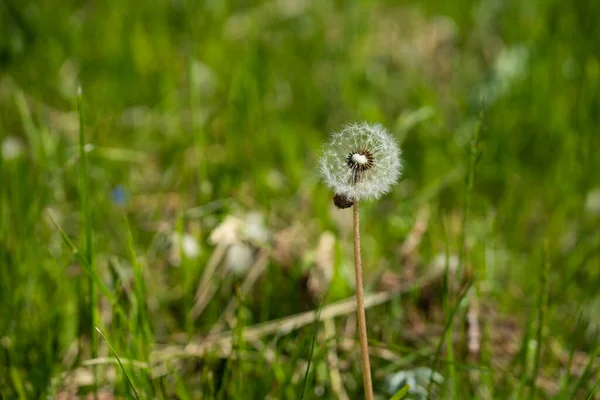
column 359, row 162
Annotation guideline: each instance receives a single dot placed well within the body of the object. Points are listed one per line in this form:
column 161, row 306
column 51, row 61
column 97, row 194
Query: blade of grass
column 421, row 355
column 236, row 345
column 17, row 381
column 585, row 374
column 92, row 274
column 319, row 356
column 542, row 308
column 120, row 363
column 286, row 390
column 449, row 323
column 529, row 356
column 401, row 393
column 523, row 359
column 194, row 107
column 446, row 305
column 142, row 331
column 312, row 348
column 565, row 382
column 591, row 395
column 87, row 226
column 462, row 253
column 139, row 289
column 473, row 158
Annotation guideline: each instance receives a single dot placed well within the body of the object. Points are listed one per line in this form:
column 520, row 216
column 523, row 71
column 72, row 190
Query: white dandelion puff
column 362, row 161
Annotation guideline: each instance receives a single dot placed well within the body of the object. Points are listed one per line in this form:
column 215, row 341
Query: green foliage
column 196, row 111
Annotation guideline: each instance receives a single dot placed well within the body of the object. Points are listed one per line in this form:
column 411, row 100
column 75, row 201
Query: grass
column 196, row 112
column 120, row 365
column 88, row 254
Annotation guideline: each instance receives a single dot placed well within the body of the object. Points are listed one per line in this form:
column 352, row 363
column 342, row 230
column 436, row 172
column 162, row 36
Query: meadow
column 165, row 234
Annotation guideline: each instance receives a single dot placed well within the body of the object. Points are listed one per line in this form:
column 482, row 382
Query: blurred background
column 203, row 122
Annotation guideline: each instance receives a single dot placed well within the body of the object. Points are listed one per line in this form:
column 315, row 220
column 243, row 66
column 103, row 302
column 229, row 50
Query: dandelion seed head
column 362, row 161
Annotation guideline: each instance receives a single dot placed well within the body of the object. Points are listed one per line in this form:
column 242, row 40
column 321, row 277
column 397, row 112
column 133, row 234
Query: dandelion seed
column 362, row 161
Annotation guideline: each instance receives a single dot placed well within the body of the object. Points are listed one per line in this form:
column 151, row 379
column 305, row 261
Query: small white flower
column 12, row 148
column 190, row 246
column 186, row 244
column 361, row 161
column 239, row 257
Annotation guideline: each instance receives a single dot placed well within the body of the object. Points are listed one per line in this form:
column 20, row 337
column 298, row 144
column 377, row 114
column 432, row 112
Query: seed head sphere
column 362, row 161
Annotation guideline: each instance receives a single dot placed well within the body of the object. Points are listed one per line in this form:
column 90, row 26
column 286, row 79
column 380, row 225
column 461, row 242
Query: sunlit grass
column 196, row 112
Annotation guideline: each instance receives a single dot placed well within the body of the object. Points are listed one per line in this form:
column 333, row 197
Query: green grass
column 88, row 254
column 200, row 111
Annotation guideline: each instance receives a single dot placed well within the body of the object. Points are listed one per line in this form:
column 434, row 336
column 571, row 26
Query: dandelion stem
column 360, row 309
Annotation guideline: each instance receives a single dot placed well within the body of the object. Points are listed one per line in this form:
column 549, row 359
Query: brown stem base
column 360, row 302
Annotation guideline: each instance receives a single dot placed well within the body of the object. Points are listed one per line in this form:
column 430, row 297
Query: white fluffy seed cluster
column 352, row 142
